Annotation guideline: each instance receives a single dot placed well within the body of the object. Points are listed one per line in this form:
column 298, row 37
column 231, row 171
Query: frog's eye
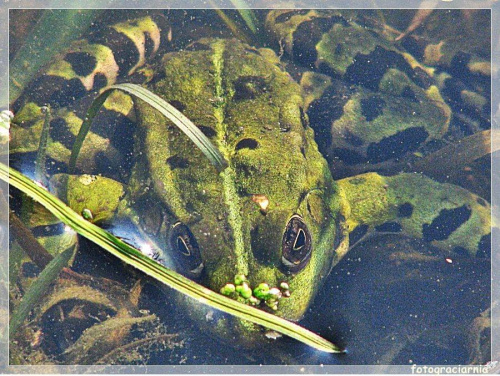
column 296, row 245
column 185, row 250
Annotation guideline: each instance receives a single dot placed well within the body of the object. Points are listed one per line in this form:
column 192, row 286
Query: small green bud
column 284, row 286
column 261, row 291
column 239, row 279
column 244, row 290
column 272, row 305
column 228, row 289
column 87, row 214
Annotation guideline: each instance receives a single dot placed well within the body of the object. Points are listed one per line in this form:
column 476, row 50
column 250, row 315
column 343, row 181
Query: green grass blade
column 38, row 289
column 181, row 121
column 41, row 155
column 247, row 14
column 135, row 258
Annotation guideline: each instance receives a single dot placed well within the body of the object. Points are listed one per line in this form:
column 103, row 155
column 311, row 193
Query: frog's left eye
column 296, row 245
column 185, row 251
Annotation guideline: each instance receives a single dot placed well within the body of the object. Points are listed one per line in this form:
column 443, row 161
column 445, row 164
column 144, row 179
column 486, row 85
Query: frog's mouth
column 262, row 295
column 226, row 328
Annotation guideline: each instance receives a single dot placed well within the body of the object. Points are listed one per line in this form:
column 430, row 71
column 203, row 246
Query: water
column 391, row 300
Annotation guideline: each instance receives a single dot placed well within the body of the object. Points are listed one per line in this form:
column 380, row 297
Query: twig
column 35, row 251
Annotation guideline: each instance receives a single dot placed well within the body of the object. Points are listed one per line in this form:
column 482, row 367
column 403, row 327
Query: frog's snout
column 261, row 295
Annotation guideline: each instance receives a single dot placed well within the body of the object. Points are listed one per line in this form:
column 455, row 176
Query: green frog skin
column 268, row 229
column 215, row 227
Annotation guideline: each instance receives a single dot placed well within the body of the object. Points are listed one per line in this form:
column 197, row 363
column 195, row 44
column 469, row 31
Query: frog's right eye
column 185, row 251
column 296, row 245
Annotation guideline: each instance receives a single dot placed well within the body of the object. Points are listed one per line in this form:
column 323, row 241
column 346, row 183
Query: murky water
column 391, row 300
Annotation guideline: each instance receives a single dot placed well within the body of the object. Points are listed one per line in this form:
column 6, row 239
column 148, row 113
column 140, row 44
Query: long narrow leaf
column 181, row 121
column 38, row 289
column 135, row 258
column 41, row 155
column 247, row 14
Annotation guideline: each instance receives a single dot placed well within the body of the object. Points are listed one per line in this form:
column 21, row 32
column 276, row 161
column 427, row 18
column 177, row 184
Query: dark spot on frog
column 421, row 78
column 124, row 131
column 30, row 270
column 48, row 230
column 372, row 107
column 111, row 123
column 339, row 49
column 405, row 210
column 352, row 139
column 287, row 15
column 389, row 227
column 415, row 46
column 53, row 90
column 409, row 94
column 396, row 145
column 207, row 131
column 484, row 247
column 459, row 65
column 357, row 234
column 461, row 251
column 197, row 46
column 481, row 202
column 247, row 143
column 368, row 70
column 124, row 49
column 349, row 157
column 253, row 51
column 323, row 111
column 55, row 167
column 59, row 131
column 249, row 87
column 453, row 89
column 445, row 223
column 149, row 45
column 306, row 37
column 100, row 81
column 82, row 63
column 178, row 105
column 109, row 166
column 176, row 161
column 327, row 70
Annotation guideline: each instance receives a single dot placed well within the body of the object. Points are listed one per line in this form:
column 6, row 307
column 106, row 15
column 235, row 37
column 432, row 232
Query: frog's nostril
column 176, row 161
column 207, row 131
column 247, row 143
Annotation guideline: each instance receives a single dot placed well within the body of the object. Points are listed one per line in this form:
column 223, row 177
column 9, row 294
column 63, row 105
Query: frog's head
column 273, row 217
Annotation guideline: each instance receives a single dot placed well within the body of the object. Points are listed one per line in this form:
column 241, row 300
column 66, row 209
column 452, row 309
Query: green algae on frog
column 213, row 228
column 274, row 219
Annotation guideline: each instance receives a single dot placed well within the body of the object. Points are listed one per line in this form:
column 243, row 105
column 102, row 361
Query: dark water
column 391, row 300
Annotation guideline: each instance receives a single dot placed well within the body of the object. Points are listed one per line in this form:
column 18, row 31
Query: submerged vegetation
column 67, row 308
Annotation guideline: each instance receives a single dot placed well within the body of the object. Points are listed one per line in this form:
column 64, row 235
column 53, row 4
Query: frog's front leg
column 96, row 198
column 104, row 201
column 444, row 215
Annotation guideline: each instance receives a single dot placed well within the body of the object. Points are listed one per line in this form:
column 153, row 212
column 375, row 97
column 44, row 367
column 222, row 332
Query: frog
column 268, row 229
